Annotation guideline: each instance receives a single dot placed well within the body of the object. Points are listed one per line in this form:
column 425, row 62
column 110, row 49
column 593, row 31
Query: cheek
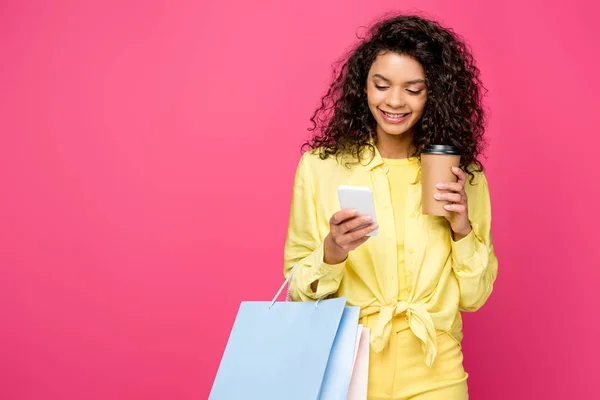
column 373, row 102
column 370, row 99
column 418, row 105
column 374, row 98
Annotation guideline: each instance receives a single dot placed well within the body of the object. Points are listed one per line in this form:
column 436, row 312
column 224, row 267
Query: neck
column 395, row 146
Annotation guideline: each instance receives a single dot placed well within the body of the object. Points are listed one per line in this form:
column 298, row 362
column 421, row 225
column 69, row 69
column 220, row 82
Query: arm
column 473, row 260
column 305, row 246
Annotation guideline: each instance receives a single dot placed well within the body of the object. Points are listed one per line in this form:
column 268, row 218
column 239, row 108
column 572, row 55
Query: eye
column 381, row 87
column 414, row 92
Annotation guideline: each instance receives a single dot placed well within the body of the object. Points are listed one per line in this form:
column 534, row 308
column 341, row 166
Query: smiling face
column 396, row 93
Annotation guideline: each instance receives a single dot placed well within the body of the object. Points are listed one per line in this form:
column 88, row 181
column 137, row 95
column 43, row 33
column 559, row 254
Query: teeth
column 396, row 116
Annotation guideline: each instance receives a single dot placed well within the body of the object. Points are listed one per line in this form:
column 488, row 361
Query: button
column 321, row 271
column 411, row 251
column 413, row 214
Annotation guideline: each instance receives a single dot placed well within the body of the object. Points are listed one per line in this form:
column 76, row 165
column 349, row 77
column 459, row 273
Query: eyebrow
column 412, row 82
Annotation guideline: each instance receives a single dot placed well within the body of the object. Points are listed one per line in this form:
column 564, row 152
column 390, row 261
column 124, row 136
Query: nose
column 395, row 98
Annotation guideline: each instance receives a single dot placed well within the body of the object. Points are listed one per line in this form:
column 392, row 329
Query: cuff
column 328, row 275
column 464, row 249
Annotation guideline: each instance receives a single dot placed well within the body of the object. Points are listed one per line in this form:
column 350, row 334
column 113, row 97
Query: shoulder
column 478, row 178
column 323, row 173
column 477, row 184
column 313, row 162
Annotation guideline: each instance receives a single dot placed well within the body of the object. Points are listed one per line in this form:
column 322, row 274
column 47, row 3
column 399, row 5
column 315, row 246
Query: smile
column 395, row 115
column 394, row 118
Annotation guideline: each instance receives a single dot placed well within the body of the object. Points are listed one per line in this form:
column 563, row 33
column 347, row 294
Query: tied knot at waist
column 420, row 324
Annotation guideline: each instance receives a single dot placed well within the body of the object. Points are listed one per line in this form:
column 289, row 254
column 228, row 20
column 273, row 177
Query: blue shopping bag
column 339, row 368
column 288, row 350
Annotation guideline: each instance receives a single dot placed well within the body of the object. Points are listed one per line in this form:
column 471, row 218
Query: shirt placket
column 388, row 270
column 413, row 246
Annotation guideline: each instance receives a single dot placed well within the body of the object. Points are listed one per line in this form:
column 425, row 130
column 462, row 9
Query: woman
column 410, row 83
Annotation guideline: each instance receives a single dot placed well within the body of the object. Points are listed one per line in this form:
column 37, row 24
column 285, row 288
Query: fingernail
column 447, row 207
column 437, row 196
column 368, row 218
column 439, row 185
column 354, row 211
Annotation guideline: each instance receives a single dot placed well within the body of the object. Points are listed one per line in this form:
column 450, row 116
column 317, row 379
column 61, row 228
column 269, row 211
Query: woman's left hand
column 458, row 207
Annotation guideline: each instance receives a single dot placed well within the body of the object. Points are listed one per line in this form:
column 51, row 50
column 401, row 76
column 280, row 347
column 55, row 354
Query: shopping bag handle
column 287, row 295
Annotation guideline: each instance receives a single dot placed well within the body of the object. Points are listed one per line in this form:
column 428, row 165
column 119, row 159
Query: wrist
column 460, row 234
column 332, row 253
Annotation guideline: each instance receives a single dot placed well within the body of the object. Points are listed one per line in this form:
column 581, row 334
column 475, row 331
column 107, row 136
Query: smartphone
column 361, row 199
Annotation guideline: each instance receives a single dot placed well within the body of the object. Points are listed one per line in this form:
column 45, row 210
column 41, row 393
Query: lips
column 394, row 118
column 395, row 115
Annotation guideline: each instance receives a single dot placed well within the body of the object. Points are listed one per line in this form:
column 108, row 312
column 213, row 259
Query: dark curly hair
column 343, row 124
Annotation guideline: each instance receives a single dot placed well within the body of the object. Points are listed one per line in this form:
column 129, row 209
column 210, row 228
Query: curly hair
column 453, row 114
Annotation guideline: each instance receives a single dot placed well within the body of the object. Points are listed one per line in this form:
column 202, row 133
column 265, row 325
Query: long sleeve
column 474, row 263
column 304, row 243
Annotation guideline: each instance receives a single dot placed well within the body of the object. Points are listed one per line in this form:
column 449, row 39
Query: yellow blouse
column 446, row 276
column 400, row 173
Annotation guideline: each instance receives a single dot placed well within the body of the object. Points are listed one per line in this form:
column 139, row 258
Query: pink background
column 148, row 151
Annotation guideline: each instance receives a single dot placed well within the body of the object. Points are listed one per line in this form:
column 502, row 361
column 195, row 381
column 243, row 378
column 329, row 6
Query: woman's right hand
column 341, row 240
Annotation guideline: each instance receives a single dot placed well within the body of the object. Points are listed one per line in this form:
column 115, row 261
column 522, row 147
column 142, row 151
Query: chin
column 396, row 132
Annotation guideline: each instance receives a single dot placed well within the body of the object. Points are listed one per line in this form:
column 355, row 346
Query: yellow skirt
column 400, row 372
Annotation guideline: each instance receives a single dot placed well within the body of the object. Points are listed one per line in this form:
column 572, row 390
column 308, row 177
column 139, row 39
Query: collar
column 374, row 160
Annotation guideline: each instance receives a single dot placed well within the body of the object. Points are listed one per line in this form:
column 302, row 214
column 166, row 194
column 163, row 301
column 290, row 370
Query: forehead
column 397, row 67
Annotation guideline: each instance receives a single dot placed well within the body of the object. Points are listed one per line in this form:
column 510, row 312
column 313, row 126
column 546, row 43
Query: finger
column 458, row 208
column 462, row 177
column 451, row 186
column 360, row 241
column 356, row 243
column 452, row 197
column 356, row 235
column 354, row 223
column 342, row 215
